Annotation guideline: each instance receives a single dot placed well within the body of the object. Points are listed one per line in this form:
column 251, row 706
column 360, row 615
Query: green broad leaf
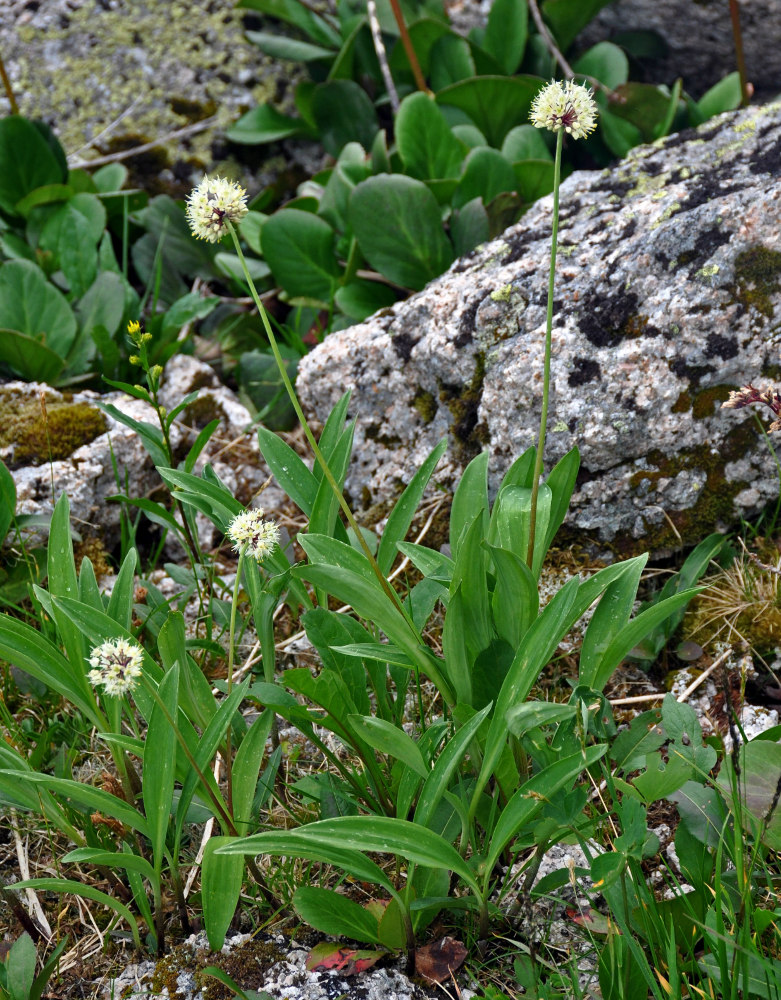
column 31, row 305
column 723, row 96
column 381, row 835
column 620, row 136
column 27, row 161
column 299, row 249
column 27, row 649
column 634, row 632
column 506, row 33
column 486, row 174
column 216, row 502
column 281, row 47
column 451, row 61
column 523, row 718
column 295, row 844
column 221, row 879
column 352, row 167
column 47, row 195
column 7, row 497
column 18, row 969
column 190, row 307
column 515, row 600
column 266, row 124
column 525, row 142
column 29, row 358
column 469, row 500
column 103, row 304
column 404, row 509
column 292, row 474
column 94, row 798
column 643, row 105
column 87, row 892
column 424, row 33
column 758, row 977
column 631, row 747
column 534, row 179
column 532, row 795
column 494, row 103
column 449, row 760
column 63, row 582
column 561, row 482
column 390, row 740
column 660, row 779
column 566, row 18
column 410, row 248
column 110, row 178
column 469, row 227
column 361, row 299
column 300, row 16
column 606, row 62
column 246, row 769
column 343, row 112
column 157, row 777
column 120, row 605
column 682, row 726
column 335, row 914
column 610, row 616
column 111, row 859
column 424, row 139
column 536, row 649
column 378, row 651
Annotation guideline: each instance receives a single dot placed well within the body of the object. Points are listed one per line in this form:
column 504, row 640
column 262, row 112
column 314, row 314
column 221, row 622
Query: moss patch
column 758, row 278
column 426, row 405
column 247, row 964
column 464, row 403
column 36, row 440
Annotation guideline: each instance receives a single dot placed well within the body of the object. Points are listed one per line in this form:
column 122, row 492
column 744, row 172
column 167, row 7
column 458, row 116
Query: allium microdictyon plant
column 252, row 535
column 212, row 205
column 116, row 666
column 561, row 108
column 749, row 394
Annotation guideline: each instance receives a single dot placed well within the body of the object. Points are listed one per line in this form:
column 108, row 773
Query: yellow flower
column 133, row 326
column 568, row 106
column 212, row 205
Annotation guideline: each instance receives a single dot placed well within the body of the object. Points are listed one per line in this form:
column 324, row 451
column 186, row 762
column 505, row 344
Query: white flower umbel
column 565, row 106
column 252, row 535
column 212, row 205
column 116, row 666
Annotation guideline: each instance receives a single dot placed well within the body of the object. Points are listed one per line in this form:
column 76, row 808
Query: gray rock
column 700, row 40
column 669, row 283
column 86, row 470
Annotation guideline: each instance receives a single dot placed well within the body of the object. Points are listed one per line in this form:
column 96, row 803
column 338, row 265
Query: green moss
column 246, row 964
column 758, row 277
column 203, row 409
column 706, row 401
column 682, row 404
column 426, row 405
column 35, row 440
column 463, row 404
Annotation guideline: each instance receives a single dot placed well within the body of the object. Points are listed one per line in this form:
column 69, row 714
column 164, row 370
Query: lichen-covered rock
column 80, row 450
column 698, row 34
column 667, row 297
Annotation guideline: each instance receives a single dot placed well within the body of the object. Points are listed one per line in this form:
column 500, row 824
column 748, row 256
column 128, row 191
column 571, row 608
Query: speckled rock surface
column 699, row 37
column 139, row 68
column 668, row 292
column 86, row 472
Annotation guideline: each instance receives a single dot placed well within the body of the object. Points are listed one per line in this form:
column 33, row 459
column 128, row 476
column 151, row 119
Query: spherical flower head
column 568, row 106
column 212, row 205
column 116, row 666
column 251, row 534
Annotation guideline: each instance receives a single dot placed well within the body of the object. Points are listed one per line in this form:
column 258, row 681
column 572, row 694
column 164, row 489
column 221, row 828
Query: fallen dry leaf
column 348, row 961
column 436, row 961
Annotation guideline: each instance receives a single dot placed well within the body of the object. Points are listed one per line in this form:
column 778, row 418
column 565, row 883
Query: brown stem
column 740, row 59
column 24, row 918
column 8, row 90
column 406, row 41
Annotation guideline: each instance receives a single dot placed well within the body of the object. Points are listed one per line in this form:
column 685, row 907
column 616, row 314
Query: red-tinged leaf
column 376, row 907
column 591, row 920
column 440, row 959
column 348, row 961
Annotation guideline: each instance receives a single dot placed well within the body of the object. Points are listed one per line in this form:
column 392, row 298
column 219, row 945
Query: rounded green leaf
column 31, row 305
column 299, row 249
column 397, row 223
column 605, row 62
column 451, row 61
column 506, row 33
column 424, row 139
column 265, row 124
column 344, row 113
column 486, row 174
column 494, row 103
column 332, row 913
column 27, row 161
column 525, row 142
